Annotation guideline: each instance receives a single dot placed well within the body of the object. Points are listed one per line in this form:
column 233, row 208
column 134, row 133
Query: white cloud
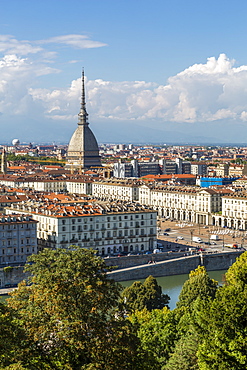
column 214, row 91
column 17, row 75
column 9, row 45
column 201, row 93
column 75, row 41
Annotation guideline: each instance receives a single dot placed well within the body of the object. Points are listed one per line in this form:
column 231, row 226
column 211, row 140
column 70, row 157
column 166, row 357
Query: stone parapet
column 178, row 266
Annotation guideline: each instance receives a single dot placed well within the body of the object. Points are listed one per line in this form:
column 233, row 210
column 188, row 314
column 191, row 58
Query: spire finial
column 83, row 113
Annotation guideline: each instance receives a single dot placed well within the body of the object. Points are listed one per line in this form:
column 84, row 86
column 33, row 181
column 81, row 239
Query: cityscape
column 136, row 186
column 123, row 185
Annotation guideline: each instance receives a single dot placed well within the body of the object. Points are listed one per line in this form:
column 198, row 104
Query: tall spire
column 83, row 113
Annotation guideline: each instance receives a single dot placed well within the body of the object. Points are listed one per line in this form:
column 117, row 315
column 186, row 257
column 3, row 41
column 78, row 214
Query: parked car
column 180, row 238
column 166, row 234
column 168, row 229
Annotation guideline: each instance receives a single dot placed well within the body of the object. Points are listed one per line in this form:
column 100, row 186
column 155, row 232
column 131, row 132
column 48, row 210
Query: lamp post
column 242, row 240
column 191, row 236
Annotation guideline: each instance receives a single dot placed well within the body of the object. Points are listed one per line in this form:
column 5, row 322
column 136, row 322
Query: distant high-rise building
column 3, row 162
column 199, row 168
column 83, row 150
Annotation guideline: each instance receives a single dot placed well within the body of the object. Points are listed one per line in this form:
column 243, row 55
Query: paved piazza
column 187, row 231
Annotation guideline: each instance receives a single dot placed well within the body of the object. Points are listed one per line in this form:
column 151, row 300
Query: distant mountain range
column 37, row 130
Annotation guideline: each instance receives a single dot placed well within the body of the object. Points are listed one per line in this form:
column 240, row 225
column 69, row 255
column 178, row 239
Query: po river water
column 172, row 285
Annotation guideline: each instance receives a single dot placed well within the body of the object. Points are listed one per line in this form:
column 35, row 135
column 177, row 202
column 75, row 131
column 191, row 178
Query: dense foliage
column 199, row 285
column 71, row 316
column 69, row 313
column 144, row 295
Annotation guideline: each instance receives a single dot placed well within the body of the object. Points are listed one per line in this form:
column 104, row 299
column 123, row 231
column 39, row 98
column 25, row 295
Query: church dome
column 82, row 140
column 83, row 150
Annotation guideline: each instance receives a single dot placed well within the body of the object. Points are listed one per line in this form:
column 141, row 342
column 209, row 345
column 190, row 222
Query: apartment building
column 222, row 170
column 237, row 170
column 35, row 183
column 126, row 190
column 234, row 211
column 108, row 227
column 79, row 186
column 199, row 168
column 122, row 170
column 18, row 238
column 185, row 203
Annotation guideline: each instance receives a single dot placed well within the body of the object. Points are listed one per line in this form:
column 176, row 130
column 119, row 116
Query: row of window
column 14, row 226
column 110, row 234
column 115, row 225
column 15, row 250
column 108, row 219
column 14, row 241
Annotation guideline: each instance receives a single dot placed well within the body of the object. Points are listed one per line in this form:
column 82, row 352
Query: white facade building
column 107, row 227
column 185, row 203
column 116, row 190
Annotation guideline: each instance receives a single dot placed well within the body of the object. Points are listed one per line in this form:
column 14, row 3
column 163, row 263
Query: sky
column 156, row 71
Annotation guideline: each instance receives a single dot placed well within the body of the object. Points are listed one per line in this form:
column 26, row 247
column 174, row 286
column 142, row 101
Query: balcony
column 73, row 240
column 64, row 242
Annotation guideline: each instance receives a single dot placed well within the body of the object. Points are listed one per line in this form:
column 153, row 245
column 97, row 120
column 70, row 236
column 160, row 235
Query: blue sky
column 157, row 71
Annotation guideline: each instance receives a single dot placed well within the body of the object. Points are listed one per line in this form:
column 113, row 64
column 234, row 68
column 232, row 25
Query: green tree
column 237, row 273
column 185, row 354
column 144, row 295
column 157, row 331
column 16, row 366
column 69, row 313
column 199, row 285
column 223, row 323
column 224, row 331
column 13, row 342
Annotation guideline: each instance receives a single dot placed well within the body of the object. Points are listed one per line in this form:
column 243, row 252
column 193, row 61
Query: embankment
column 176, row 266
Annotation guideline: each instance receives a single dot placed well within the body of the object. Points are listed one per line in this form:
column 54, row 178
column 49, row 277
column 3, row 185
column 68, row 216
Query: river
column 172, row 285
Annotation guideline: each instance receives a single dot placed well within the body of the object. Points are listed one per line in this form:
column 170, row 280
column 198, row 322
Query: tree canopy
column 144, row 295
column 71, row 316
column 199, row 285
column 223, row 323
column 157, row 331
column 69, row 312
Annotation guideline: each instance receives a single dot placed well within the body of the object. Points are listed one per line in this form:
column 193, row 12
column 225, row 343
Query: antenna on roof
column 83, row 113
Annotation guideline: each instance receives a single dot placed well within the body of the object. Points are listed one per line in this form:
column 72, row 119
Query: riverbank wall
column 11, row 276
column 176, row 266
column 140, row 267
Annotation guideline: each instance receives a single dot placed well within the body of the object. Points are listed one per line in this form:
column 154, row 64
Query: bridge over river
column 176, row 266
